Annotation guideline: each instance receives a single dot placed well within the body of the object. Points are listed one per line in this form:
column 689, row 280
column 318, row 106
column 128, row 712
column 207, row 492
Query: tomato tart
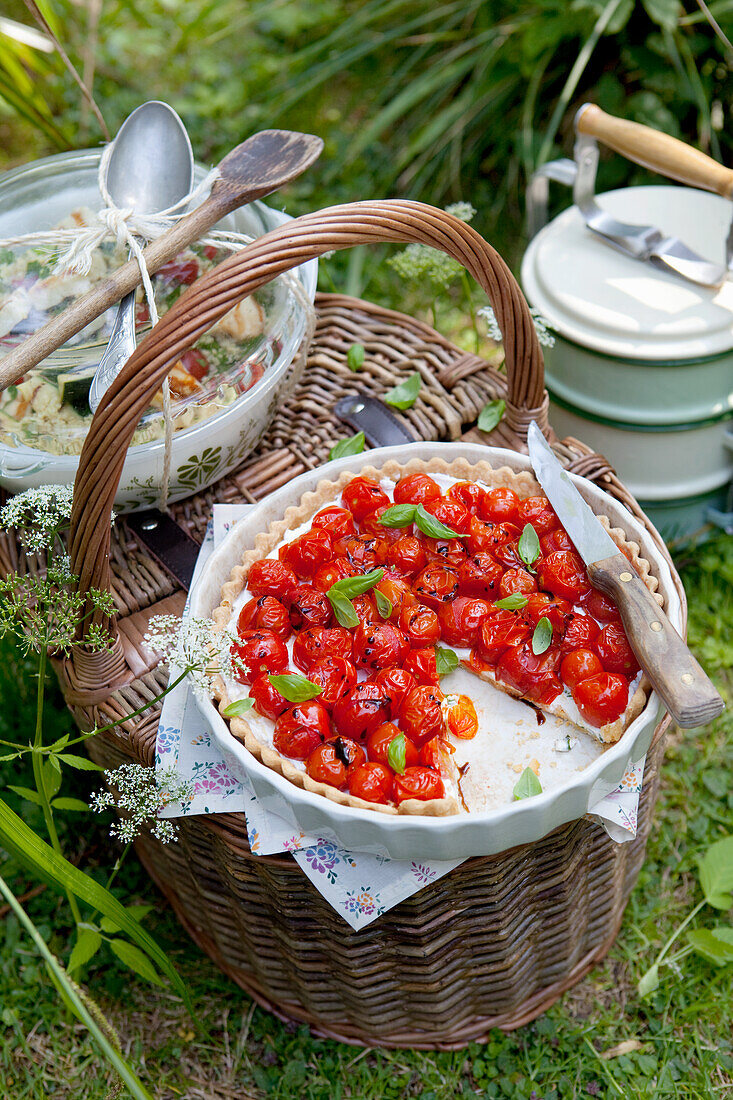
column 344, row 621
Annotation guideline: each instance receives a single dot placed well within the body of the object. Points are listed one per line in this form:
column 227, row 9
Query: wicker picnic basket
column 496, row 941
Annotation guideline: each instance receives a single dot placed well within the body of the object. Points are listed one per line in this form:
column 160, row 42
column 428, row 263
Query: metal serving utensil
column 150, row 169
column 257, row 167
column 662, row 153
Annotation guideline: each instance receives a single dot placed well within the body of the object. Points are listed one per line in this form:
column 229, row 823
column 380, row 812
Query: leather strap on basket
column 214, row 294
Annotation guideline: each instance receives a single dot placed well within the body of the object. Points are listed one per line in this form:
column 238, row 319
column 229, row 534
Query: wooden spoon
column 255, row 168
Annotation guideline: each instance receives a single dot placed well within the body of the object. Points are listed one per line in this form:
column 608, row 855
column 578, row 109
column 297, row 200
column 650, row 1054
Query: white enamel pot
column 642, row 365
column 37, row 196
column 406, row 837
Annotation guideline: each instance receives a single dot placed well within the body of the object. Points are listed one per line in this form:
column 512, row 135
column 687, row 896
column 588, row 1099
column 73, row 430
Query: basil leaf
column 295, row 688
column 716, row 873
column 529, row 545
column 399, row 515
column 384, row 605
column 432, row 527
column 396, row 754
column 446, row 660
column 715, row 944
column 528, row 785
column 490, row 415
column 238, row 708
column 355, row 357
column 354, row 445
column 344, row 611
column 542, row 636
column 404, row 396
column 515, row 602
column 349, row 587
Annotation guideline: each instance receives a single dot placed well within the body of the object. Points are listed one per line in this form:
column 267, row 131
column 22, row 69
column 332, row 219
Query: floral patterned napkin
column 358, row 885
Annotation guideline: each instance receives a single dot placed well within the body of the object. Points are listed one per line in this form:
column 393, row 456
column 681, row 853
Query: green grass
column 681, row 1037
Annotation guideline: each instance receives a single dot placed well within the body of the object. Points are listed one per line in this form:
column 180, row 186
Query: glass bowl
column 225, row 390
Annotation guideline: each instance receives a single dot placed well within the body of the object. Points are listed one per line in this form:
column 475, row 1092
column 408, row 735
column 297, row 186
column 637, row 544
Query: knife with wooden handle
column 676, row 676
column 655, row 150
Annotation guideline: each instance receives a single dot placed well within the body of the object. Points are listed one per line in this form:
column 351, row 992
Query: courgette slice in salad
column 74, row 388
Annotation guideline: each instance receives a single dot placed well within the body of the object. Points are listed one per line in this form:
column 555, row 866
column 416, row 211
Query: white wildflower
column 541, row 324
column 38, row 515
column 140, row 795
column 461, row 210
column 194, row 646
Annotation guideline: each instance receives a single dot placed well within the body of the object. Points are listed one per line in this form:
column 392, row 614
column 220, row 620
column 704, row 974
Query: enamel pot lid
column 604, row 300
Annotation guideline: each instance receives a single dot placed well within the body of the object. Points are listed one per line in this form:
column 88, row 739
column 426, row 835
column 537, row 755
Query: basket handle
column 214, row 294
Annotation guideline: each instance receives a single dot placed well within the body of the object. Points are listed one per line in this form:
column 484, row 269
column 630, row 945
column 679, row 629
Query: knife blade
column 676, row 676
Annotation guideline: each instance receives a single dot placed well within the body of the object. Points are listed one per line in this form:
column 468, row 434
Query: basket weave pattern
column 497, row 940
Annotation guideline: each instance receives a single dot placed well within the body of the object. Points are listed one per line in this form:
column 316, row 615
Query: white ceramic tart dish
column 438, row 828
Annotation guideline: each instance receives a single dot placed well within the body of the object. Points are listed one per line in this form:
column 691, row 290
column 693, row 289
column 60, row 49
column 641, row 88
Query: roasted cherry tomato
column 421, row 714
column 507, row 554
column 397, row 590
column 316, row 642
column 269, row 577
column 337, row 521
column 407, row 555
column 396, row 682
column 300, row 730
column 335, row 570
column 616, row 654
column 533, row 675
column 195, row 363
column 499, row 506
column 179, row 271
column 469, row 494
column 363, row 552
column 563, row 574
column 436, row 586
column 307, row 553
column 370, row 525
column 498, row 632
column 539, row 512
column 480, row 576
column 460, row 620
column 267, row 700
column 361, row 496
column 601, row 607
column 541, row 606
column 366, row 609
column 379, row 741
column 579, row 665
column 421, row 664
column 451, row 553
column 258, row 651
column 361, row 711
column 335, row 676
column 416, row 489
column 420, row 783
column 581, row 632
column 265, row 613
column 452, row 513
column 557, row 539
column 371, row 781
column 309, row 607
column 460, row 716
column 435, row 754
column 602, row 699
column 517, row 581
column 485, row 536
column 328, row 763
column 420, row 624
column 379, row 645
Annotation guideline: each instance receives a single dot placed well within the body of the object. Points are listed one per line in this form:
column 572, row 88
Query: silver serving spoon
column 150, row 169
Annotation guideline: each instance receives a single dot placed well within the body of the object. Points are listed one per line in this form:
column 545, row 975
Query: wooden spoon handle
column 655, row 150
column 676, row 676
column 54, row 333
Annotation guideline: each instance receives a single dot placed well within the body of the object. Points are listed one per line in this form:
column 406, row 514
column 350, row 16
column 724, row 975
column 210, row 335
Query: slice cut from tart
column 339, row 623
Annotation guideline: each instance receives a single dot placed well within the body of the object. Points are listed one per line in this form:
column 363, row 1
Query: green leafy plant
column 715, row 874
